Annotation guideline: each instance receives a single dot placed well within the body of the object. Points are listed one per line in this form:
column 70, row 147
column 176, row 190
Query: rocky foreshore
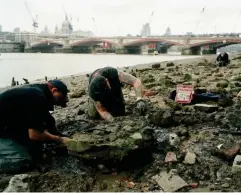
column 171, row 147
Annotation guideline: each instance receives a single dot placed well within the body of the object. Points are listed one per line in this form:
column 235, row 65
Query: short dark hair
column 98, row 86
column 60, row 86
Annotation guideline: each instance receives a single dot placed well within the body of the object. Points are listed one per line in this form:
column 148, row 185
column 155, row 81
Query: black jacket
column 23, row 108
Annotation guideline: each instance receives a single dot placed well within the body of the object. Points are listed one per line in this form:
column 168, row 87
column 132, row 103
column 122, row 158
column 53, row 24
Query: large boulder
column 112, row 141
column 20, row 183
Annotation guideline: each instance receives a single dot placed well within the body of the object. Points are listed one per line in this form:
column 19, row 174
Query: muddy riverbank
column 171, row 147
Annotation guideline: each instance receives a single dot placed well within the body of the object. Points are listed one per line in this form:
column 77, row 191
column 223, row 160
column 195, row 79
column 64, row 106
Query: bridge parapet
column 119, row 42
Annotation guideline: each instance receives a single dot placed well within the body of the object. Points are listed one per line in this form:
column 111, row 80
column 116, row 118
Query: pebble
column 190, row 158
column 19, row 183
column 171, row 157
column 236, row 164
column 136, row 136
column 225, row 185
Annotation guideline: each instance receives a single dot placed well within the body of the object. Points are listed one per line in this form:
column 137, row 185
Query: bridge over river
column 189, row 45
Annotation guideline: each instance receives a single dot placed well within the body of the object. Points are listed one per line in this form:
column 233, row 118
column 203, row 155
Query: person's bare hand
column 64, row 140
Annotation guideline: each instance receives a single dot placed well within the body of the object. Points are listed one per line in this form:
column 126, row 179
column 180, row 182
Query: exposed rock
column 219, row 75
column 143, row 69
column 169, row 64
column 225, row 185
column 148, row 79
column 163, row 117
column 174, row 140
column 190, row 158
column 128, row 128
column 169, row 182
column 236, row 164
column 234, row 84
column 225, row 101
column 136, row 136
column 19, row 183
column 156, row 66
column 79, row 92
column 202, row 64
column 171, row 157
column 235, row 78
column 235, row 90
column 223, row 84
column 187, row 77
column 111, row 146
column 206, row 108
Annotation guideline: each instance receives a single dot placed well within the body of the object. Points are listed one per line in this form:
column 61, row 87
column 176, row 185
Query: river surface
column 37, row 65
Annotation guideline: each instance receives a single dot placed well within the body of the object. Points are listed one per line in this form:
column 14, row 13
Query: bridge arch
column 91, row 42
column 146, row 41
column 46, row 43
column 219, row 42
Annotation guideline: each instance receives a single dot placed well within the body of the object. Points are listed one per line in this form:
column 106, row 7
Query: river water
column 38, row 65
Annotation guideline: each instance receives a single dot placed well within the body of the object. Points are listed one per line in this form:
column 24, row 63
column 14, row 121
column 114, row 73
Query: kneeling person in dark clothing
column 106, row 97
column 223, row 59
column 25, row 122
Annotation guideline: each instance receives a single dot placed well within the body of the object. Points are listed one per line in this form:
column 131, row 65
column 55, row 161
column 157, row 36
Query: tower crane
column 35, row 23
column 66, row 16
column 150, row 18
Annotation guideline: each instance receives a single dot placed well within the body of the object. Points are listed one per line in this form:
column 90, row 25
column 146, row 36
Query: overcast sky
column 122, row 17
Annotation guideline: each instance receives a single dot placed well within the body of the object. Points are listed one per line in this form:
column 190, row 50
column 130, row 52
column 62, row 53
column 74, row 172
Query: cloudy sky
column 122, row 17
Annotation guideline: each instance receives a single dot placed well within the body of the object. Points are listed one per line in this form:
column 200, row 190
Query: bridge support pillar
column 120, row 50
column 191, row 51
column 209, row 51
column 163, row 50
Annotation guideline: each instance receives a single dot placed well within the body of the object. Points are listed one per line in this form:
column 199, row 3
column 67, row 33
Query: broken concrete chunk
column 174, row 140
column 136, row 136
column 77, row 146
column 156, row 65
column 78, row 93
column 127, row 128
column 223, row 84
column 171, row 157
column 236, row 164
column 190, row 158
column 205, row 107
column 91, row 146
column 169, row 64
column 169, row 182
column 19, row 183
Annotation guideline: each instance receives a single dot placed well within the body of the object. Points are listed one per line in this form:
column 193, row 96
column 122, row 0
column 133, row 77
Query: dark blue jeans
column 14, row 157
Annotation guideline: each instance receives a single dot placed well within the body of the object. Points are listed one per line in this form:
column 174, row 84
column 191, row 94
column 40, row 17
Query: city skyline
column 122, row 17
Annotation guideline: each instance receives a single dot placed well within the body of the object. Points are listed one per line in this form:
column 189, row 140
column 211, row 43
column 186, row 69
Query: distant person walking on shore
column 223, row 59
column 106, row 97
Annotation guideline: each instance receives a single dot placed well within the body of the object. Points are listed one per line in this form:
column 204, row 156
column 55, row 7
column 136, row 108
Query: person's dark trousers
column 116, row 108
column 14, row 158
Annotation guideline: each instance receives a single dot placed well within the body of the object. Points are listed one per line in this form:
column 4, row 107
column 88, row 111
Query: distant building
column 168, row 32
column 16, row 30
column 67, row 30
column 7, row 37
column 83, row 33
column 67, row 27
column 189, row 33
column 56, row 31
column 25, row 36
column 1, row 28
column 146, row 30
column 45, row 31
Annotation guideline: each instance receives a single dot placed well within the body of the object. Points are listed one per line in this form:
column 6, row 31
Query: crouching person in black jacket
column 25, row 122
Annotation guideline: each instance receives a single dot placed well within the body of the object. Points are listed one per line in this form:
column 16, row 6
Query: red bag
column 184, row 94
